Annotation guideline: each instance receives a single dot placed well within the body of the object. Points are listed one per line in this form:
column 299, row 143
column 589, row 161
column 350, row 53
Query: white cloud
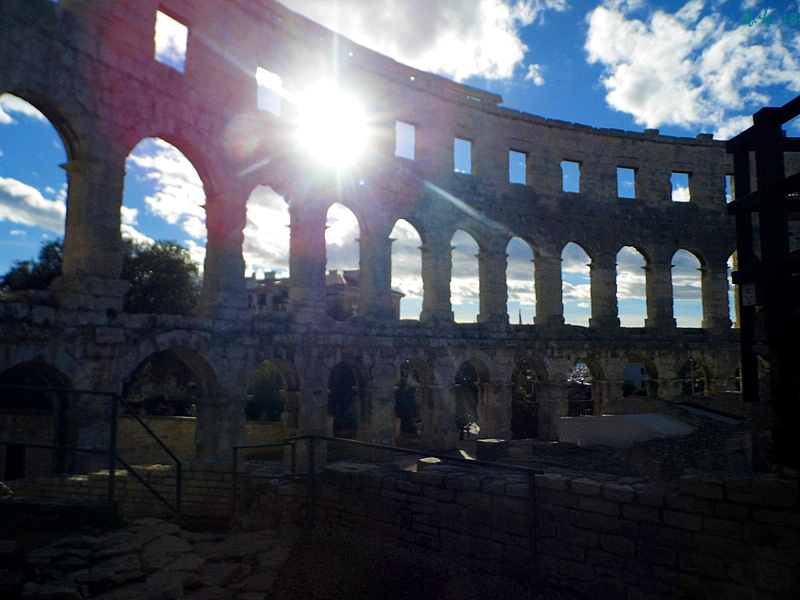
column 178, row 195
column 2, row 153
column 25, row 205
column 11, row 104
column 535, row 74
column 266, row 235
column 458, row 39
column 406, row 260
column 18, row 232
column 693, row 71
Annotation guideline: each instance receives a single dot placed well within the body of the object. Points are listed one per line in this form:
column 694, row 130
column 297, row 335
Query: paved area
column 148, row 560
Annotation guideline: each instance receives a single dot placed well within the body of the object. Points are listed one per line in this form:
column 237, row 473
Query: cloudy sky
column 681, row 67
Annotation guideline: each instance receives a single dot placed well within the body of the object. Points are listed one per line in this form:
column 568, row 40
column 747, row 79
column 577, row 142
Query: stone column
column 553, row 404
column 219, row 425
column 493, row 287
column 714, row 282
column 494, row 410
column 658, row 286
column 92, row 259
column 547, row 282
column 224, row 294
column 438, row 416
column 307, row 260
column 603, row 273
column 437, row 266
column 375, row 278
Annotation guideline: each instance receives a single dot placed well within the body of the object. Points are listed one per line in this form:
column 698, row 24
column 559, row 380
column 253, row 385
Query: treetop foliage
column 163, row 277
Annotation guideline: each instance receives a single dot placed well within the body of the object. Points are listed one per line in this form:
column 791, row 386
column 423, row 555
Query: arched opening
column 576, row 285
column 465, row 278
column 342, row 251
column 519, row 279
column 639, row 378
column 582, row 392
column 469, row 379
column 265, row 399
column 407, row 268
column 33, row 188
column 408, row 406
column 344, row 400
column 694, row 378
column 33, row 416
column 687, row 297
column 524, row 401
column 170, row 383
column 163, row 229
column 631, row 294
column 266, row 250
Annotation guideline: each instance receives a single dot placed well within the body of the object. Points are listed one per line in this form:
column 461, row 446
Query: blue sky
column 681, row 67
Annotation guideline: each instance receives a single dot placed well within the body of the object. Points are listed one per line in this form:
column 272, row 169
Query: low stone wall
column 205, row 489
column 723, row 538
column 627, row 538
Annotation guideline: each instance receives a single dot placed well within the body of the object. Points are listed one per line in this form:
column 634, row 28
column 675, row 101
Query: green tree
column 35, row 274
column 163, row 277
column 265, row 388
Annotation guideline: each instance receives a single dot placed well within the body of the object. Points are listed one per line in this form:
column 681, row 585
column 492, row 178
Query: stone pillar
column 553, row 404
column 714, row 282
column 219, row 425
column 494, row 410
column 437, row 266
column 377, row 418
column 547, row 282
column 603, row 273
column 307, row 260
column 375, row 278
column 92, row 259
column 438, row 415
column 493, row 288
column 224, row 294
column 658, row 286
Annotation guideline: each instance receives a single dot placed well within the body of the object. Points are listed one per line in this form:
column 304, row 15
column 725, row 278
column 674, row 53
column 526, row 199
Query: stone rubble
column 150, row 559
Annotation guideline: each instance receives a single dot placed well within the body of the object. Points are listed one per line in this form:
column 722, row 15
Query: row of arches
column 164, row 198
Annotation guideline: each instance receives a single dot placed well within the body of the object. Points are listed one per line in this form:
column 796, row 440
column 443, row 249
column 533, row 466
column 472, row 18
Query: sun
column 332, row 126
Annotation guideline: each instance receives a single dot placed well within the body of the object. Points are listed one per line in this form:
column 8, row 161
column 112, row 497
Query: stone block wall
column 721, row 538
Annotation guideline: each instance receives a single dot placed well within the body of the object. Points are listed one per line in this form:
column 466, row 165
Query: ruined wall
column 90, row 68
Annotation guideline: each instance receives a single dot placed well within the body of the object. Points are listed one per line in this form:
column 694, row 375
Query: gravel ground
column 333, row 564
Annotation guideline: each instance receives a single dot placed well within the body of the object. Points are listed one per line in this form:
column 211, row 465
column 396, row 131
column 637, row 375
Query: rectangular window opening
column 626, row 182
column 570, row 176
column 517, row 167
column 404, row 140
column 728, row 188
column 680, row 187
column 462, row 156
column 269, row 91
column 172, row 38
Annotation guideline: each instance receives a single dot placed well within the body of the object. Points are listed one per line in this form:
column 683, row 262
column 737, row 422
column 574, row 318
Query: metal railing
column 311, row 472
column 111, row 451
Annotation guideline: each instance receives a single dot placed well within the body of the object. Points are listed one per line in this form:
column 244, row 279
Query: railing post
column 312, row 484
column 293, row 450
column 178, row 484
column 533, row 533
column 112, row 456
column 235, row 481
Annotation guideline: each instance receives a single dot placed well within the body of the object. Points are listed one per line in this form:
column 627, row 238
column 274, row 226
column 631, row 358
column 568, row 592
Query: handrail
column 111, row 450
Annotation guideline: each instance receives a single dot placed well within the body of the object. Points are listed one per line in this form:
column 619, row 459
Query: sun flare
column 332, row 125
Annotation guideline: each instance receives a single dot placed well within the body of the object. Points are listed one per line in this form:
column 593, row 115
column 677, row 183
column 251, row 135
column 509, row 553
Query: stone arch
column 465, row 276
column 343, row 257
column 695, row 377
column 648, row 378
column 525, row 400
column 40, row 416
column 407, row 268
column 520, row 277
column 577, row 287
column 266, row 236
column 585, row 391
column 174, row 381
column 58, row 115
column 687, row 295
column 470, row 390
column 631, row 286
column 346, row 381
